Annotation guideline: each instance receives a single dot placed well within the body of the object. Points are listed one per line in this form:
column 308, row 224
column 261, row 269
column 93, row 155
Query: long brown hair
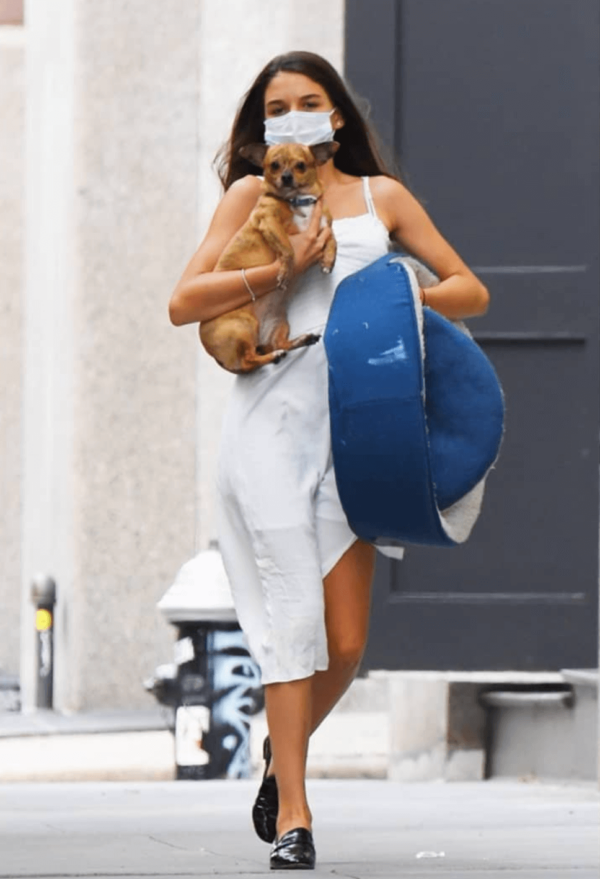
column 359, row 152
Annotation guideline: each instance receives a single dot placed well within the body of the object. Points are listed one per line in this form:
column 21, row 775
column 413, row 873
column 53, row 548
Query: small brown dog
column 258, row 333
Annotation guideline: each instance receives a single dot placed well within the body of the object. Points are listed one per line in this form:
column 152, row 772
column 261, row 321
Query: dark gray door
column 493, row 108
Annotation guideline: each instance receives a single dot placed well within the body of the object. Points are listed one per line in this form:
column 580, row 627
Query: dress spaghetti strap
column 368, row 197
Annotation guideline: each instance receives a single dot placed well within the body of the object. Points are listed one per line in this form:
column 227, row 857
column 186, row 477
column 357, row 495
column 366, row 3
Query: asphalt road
column 363, row 830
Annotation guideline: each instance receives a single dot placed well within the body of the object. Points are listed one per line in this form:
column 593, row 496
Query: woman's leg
column 296, row 708
column 288, row 716
column 347, row 606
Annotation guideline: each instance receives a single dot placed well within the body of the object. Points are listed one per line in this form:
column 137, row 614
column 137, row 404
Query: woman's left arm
column 460, row 293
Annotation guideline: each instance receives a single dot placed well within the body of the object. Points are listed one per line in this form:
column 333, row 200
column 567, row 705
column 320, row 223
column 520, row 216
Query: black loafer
column 266, row 805
column 294, row 851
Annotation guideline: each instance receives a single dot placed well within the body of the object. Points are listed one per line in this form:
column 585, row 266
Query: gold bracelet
column 248, row 287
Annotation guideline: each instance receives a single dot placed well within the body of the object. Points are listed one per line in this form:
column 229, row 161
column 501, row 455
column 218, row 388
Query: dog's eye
column 300, row 166
column 275, row 166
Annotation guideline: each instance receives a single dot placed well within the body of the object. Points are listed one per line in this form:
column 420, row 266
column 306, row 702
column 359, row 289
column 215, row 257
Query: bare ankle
column 292, row 818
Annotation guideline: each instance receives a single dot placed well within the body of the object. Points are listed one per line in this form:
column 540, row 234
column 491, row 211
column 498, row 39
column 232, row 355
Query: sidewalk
column 363, row 830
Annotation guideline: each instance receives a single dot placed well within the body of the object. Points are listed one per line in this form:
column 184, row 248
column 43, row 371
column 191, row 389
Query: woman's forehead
column 286, row 85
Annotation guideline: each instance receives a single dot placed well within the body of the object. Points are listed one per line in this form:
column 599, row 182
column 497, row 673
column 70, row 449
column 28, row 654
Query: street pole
column 43, row 596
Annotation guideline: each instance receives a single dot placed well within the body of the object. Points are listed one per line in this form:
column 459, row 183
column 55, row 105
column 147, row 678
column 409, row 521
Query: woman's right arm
column 202, row 293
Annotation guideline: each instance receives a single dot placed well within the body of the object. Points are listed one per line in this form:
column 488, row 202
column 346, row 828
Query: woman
column 301, row 579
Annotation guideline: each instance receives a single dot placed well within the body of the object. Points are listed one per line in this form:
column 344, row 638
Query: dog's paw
column 312, row 338
column 278, row 355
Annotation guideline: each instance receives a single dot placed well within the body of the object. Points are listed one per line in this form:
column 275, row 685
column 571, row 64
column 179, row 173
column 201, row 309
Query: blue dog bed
column 417, row 411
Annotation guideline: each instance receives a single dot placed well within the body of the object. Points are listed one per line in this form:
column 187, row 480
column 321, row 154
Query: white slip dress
column 281, row 526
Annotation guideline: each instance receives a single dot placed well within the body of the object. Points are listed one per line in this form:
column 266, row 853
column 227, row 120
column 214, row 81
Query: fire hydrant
column 213, row 684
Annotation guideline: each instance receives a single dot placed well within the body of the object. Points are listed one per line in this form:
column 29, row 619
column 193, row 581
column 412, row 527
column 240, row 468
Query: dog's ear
column 255, row 153
column 324, row 151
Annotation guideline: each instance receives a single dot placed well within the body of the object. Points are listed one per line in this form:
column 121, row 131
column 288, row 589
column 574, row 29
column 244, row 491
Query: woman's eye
column 300, row 166
column 275, row 166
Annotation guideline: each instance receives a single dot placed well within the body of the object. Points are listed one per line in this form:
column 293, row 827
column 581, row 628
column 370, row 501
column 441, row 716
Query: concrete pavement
column 363, row 829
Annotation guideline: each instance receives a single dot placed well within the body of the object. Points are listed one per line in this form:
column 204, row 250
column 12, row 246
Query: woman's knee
column 346, row 652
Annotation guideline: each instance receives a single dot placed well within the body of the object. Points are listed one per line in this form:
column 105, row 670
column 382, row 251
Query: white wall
column 109, row 384
column 12, row 109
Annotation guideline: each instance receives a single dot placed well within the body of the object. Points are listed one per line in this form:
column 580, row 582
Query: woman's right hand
column 308, row 246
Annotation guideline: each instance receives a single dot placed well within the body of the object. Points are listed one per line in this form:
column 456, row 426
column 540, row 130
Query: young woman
column 301, row 579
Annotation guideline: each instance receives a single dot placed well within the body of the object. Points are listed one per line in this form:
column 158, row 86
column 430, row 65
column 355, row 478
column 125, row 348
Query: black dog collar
column 302, row 201
column 298, row 201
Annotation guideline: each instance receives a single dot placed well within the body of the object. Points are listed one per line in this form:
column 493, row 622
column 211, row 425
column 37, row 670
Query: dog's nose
column 287, row 178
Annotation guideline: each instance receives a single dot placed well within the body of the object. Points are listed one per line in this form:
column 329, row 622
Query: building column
column 12, row 104
column 109, row 415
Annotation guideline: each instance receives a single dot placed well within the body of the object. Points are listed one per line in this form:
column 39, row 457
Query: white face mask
column 299, row 126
